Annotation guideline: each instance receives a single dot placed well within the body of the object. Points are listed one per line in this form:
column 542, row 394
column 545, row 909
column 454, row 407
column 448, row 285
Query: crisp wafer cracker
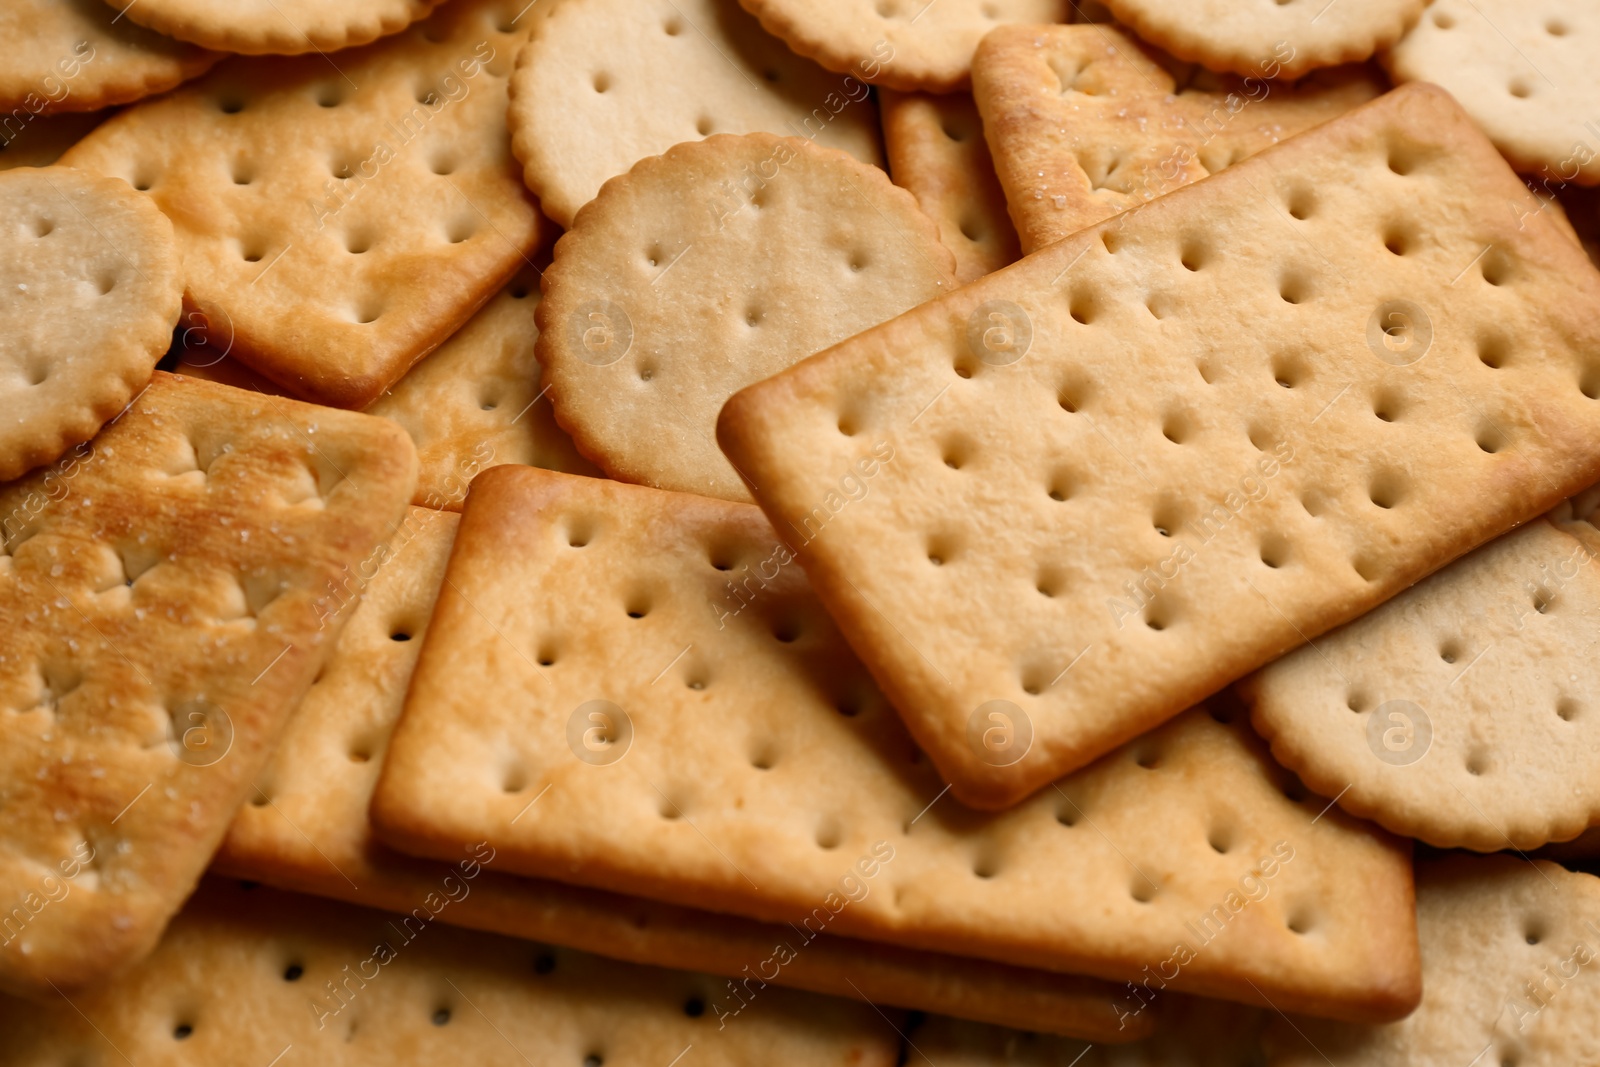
column 655, row 73
column 254, row 976
column 637, row 690
column 1147, row 460
column 77, row 55
column 276, row 27
column 709, row 268
column 1461, row 712
column 306, row 829
column 1511, row 975
column 1193, row 1033
column 1524, row 72
column 1296, row 35
column 1085, row 123
column 90, row 287
column 165, row 601
column 338, row 222
column 898, row 44
column 937, row 151
column 475, row 402
column 39, row 140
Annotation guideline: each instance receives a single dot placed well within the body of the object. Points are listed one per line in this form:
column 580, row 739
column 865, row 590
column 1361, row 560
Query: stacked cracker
column 825, row 568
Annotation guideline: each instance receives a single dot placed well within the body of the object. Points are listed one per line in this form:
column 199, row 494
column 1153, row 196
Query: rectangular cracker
column 338, row 221
column 306, row 829
column 165, row 601
column 637, row 690
column 1085, row 122
column 474, row 402
column 937, row 151
column 255, row 976
column 1099, row 499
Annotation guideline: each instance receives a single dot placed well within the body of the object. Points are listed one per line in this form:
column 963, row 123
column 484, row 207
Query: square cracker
column 936, row 150
column 637, row 690
column 254, row 976
column 1084, row 122
column 339, row 221
column 306, row 829
column 1461, row 712
column 1106, row 501
column 164, row 600
column 1508, row 963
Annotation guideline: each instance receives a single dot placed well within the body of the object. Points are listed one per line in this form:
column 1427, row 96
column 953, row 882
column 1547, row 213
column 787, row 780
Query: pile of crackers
column 861, row 532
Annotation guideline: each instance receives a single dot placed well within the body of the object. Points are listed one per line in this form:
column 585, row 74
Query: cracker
column 77, row 55
column 276, row 27
column 936, row 150
column 1084, row 123
column 653, row 315
column 1508, row 963
column 246, row 975
column 1280, row 39
column 334, row 286
column 1105, row 501
column 306, row 829
column 90, row 287
column 654, row 73
column 1524, row 72
column 164, row 592
column 1462, row 711
column 1193, row 1033
column 898, row 44
column 39, row 140
column 636, row 690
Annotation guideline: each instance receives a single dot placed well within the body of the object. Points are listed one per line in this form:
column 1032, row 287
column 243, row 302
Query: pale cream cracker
column 1084, row 122
column 90, row 286
column 636, row 690
column 275, row 27
column 305, row 828
column 708, row 268
column 937, row 151
column 1108, row 498
column 1461, row 712
column 254, row 976
column 1287, row 37
column 655, row 73
column 165, row 596
column 340, row 220
column 1511, row 974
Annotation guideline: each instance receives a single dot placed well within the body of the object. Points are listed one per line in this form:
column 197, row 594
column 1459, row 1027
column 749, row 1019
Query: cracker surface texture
column 246, row 975
column 709, row 268
column 305, row 828
column 1269, row 38
column 653, row 667
column 1085, row 123
column 76, row 55
column 1147, row 460
column 165, row 596
column 937, row 151
column 898, row 44
column 1460, row 712
column 655, row 73
column 1508, row 964
column 340, row 222
column 276, row 27
column 1524, row 72
column 90, row 287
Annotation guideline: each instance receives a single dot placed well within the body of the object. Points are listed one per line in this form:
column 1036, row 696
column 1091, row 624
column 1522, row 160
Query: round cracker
column 1269, row 38
column 90, row 289
column 602, row 84
column 708, row 268
column 899, row 44
column 77, row 55
column 275, row 27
